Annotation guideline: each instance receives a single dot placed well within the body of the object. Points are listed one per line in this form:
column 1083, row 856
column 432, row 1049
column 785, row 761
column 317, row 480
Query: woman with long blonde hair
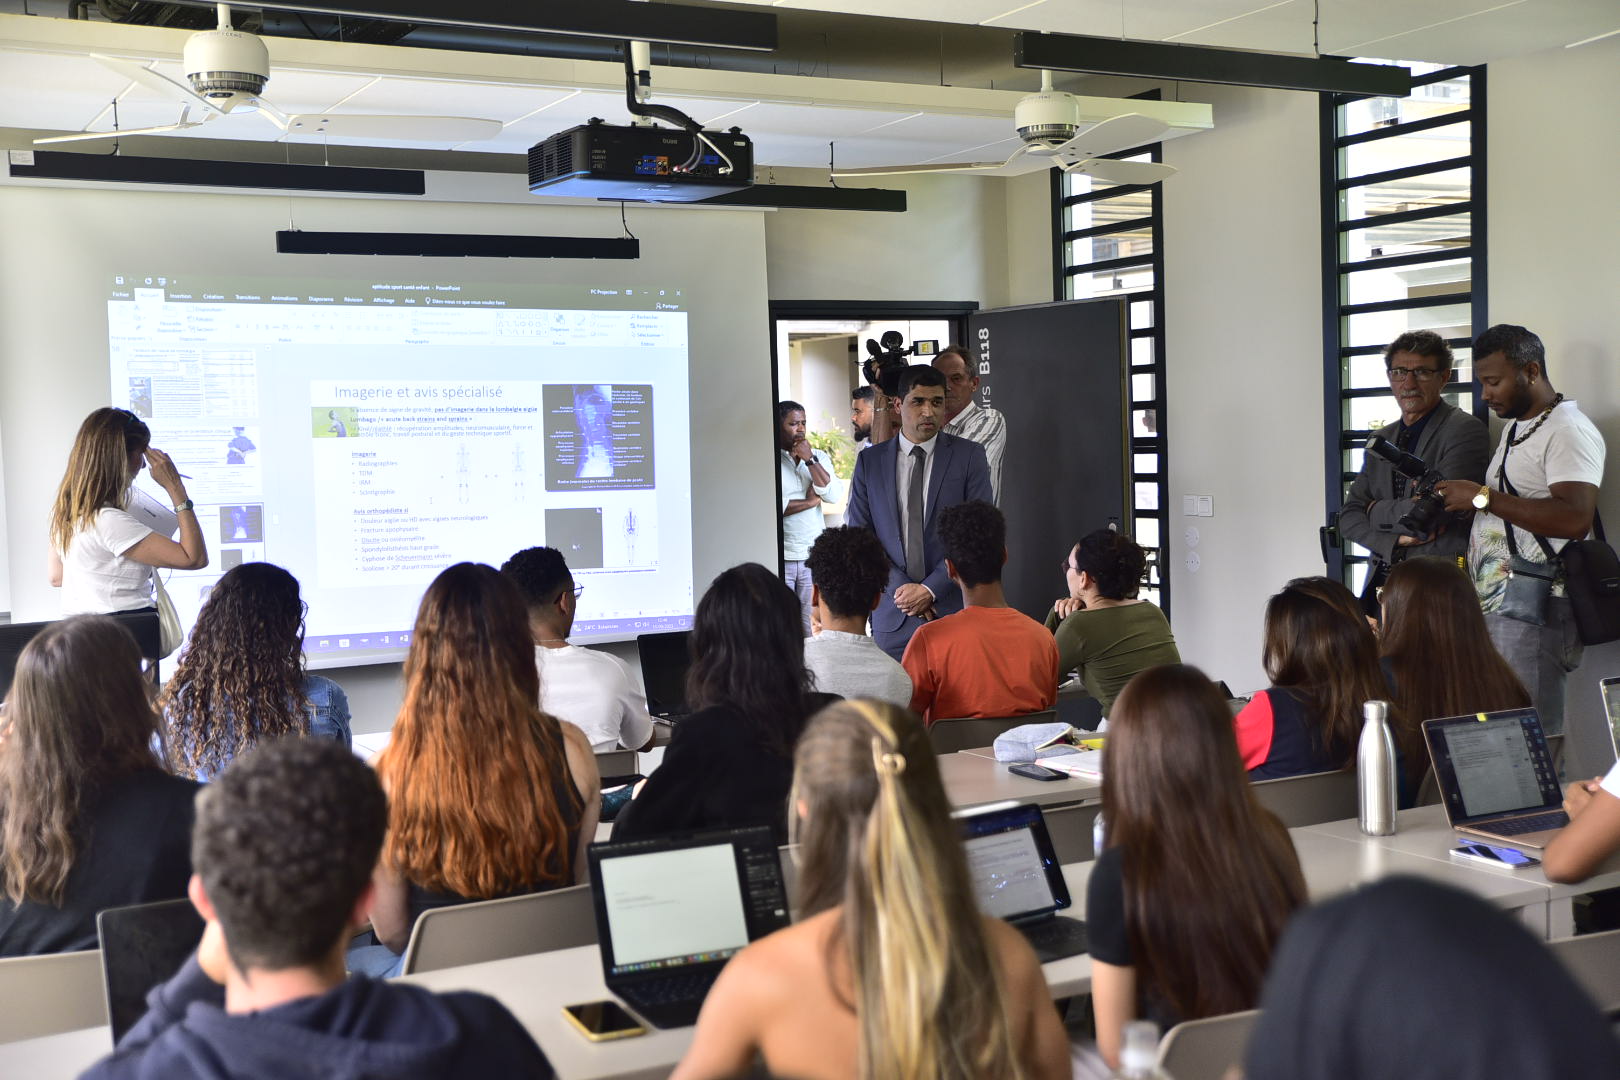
column 101, row 557
column 487, row 795
column 891, row 972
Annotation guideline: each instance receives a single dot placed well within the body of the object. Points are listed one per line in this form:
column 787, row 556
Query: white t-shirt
column 96, row 578
column 593, row 691
column 1566, row 448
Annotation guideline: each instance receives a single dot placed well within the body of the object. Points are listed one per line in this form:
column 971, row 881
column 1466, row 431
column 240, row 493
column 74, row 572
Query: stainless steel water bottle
column 1375, row 770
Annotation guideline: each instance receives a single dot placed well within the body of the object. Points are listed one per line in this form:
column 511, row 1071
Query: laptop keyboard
column 1555, row 819
column 651, row 993
column 1056, row 938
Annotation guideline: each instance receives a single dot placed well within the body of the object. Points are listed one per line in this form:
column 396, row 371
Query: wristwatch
column 1482, row 500
column 182, row 507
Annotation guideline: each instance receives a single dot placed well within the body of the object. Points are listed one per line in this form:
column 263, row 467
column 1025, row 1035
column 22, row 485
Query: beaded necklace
column 1542, row 419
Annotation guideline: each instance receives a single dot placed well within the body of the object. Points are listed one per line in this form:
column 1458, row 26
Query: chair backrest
column 964, row 733
column 1310, row 800
column 496, row 929
column 1594, row 960
column 1070, row 828
column 1206, row 1049
column 47, row 994
column 616, row 762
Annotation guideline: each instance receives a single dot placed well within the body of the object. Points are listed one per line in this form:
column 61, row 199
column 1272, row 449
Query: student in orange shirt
column 988, row 659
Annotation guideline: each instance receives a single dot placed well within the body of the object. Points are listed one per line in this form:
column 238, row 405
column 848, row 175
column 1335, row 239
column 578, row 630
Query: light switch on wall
column 1206, row 506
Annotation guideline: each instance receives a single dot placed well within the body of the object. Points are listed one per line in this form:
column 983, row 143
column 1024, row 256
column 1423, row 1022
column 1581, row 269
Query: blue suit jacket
column 960, row 474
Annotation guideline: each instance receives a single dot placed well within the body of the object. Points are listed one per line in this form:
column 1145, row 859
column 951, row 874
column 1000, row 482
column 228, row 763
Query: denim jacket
column 328, row 718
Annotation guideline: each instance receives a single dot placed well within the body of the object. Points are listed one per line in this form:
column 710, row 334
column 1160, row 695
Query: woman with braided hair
column 891, row 972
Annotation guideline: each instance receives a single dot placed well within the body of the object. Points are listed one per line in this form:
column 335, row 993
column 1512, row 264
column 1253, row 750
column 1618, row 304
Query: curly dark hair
column 974, row 535
column 748, row 652
column 285, row 842
column 850, row 568
column 1519, row 345
column 241, row 676
column 1424, row 343
column 540, row 574
column 1115, row 562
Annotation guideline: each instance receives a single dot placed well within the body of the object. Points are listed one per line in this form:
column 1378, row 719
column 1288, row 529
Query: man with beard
column 1542, row 484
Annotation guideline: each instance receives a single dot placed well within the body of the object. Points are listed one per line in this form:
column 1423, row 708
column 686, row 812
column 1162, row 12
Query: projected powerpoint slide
column 367, row 434
column 598, row 437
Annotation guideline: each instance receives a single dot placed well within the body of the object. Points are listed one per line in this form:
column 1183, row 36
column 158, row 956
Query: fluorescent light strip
column 1594, row 37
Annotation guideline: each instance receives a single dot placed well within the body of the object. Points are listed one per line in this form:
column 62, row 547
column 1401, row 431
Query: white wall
column 1244, row 373
column 1554, row 238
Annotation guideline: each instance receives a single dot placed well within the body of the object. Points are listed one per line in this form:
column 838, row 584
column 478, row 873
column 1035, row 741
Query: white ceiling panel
column 953, row 11
column 294, row 91
column 823, row 122
column 38, row 93
column 962, row 131
column 444, row 98
column 857, row 152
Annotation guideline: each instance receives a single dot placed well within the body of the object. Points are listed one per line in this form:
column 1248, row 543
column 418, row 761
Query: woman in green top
column 1102, row 628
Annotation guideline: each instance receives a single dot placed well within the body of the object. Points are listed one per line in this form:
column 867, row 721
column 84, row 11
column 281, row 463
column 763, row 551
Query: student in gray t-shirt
column 850, row 569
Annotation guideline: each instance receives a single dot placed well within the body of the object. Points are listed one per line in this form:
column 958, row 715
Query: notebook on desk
column 665, row 659
column 1496, row 776
column 1016, row 877
column 671, row 910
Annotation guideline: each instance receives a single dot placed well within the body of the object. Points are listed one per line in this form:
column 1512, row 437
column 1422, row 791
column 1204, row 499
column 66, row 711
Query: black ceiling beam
column 673, row 24
column 125, row 169
column 456, row 245
column 800, row 197
column 1198, row 63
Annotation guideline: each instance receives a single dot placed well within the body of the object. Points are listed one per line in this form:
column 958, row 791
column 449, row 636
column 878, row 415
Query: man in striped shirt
column 965, row 418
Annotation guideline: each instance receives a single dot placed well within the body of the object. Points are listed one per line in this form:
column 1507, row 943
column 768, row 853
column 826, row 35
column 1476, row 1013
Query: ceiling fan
column 227, row 70
column 1050, row 125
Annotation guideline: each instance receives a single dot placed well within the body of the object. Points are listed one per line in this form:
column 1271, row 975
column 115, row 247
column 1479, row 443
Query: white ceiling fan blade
column 153, row 80
column 1114, row 171
column 1113, row 135
column 449, row 129
column 89, row 135
column 1011, row 167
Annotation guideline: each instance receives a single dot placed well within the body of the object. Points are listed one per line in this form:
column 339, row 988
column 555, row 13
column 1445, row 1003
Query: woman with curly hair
column 241, row 677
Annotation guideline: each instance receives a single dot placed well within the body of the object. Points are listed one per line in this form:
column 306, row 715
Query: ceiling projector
column 640, row 163
column 227, row 67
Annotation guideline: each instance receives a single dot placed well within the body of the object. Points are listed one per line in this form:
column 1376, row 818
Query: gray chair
column 1070, row 828
column 497, row 929
column 1594, row 960
column 1312, row 799
column 616, row 762
column 965, row 733
column 48, row 994
column 1206, row 1049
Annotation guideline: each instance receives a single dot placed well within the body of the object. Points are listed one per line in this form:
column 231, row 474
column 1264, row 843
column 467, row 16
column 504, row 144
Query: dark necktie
column 916, row 568
column 1403, row 441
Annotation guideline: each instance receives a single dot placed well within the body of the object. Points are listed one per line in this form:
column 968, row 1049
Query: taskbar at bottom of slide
column 597, row 628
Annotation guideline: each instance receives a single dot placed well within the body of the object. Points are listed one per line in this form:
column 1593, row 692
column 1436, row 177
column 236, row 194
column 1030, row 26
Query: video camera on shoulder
column 1428, row 508
column 887, row 360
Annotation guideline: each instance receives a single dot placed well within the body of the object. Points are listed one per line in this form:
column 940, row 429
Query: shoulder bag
column 169, row 632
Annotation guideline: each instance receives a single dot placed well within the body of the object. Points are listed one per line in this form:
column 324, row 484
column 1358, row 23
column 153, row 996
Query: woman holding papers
column 102, row 556
column 891, row 971
column 1196, row 880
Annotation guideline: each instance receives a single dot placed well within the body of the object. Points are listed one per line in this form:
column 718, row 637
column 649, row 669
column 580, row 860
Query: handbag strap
column 1507, row 487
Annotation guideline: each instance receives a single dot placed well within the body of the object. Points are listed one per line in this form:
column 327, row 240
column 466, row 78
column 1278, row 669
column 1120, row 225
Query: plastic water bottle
column 1375, row 770
column 1139, row 1056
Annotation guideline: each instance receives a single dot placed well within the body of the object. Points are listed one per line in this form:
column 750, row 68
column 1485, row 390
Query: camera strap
column 1506, row 485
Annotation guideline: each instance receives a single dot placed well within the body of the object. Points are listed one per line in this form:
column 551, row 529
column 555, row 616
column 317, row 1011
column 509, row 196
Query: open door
column 1057, row 372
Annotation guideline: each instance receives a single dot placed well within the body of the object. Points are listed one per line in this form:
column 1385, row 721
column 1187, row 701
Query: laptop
column 665, row 659
column 671, row 910
column 142, row 946
column 1610, row 689
column 1016, row 877
column 1496, row 776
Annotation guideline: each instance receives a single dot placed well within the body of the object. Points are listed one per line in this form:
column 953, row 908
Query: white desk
column 971, row 780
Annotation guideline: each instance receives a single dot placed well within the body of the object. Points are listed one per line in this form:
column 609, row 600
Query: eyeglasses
column 1066, row 566
column 577, row 590
column 1421, row 374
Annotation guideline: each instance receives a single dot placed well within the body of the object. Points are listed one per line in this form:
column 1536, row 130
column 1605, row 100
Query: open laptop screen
column 1014, row 869
column 1493, row 764
column 667, row 904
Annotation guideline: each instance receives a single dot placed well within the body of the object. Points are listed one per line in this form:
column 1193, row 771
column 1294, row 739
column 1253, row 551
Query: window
column 1110, row 242
column 1403, row 231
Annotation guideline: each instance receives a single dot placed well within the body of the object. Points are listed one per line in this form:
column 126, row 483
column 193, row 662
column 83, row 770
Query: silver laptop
column 1496, row 776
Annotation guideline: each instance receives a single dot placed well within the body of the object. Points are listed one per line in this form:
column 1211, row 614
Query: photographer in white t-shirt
column 585, row 687
column 102, row 557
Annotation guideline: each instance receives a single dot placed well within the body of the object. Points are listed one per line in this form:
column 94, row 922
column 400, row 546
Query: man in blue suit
column 900, row 486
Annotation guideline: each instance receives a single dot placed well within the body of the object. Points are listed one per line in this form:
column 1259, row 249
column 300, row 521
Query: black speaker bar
column 123, row 169
column 456, row 245
column 1197, row 63
column 798, row 197
column 724, row 28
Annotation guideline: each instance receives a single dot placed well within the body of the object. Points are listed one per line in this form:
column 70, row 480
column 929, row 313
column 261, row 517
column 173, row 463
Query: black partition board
column 1058, row 373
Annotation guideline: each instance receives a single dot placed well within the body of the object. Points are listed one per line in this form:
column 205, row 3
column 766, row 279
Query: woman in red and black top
column 1322, row 659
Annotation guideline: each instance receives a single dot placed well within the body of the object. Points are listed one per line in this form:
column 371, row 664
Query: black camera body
column 887, row 361
column 1428, row 508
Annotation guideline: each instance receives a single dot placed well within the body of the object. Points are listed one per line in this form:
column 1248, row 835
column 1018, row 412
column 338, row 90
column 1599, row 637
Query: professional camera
column 886, row 362
column 1428, row 508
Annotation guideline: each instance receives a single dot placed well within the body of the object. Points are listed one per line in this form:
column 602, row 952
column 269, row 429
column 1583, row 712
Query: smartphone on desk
column 1493, row 856
column 1033, row 771
column 600, row 1021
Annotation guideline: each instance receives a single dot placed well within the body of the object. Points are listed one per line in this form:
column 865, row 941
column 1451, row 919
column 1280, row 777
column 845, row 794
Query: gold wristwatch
column 1482, row 500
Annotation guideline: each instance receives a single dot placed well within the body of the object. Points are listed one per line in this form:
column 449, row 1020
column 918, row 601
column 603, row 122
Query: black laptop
column 671, row 910
column 142, row 946
column 665, row 659
column 1017, row 877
